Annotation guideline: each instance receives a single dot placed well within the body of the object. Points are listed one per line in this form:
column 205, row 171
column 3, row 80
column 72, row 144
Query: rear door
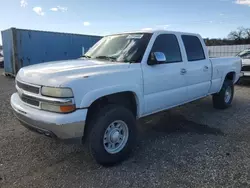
column 198, row 69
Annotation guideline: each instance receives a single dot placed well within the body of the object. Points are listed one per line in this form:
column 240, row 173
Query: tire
column 99, row 133
column 220, row 101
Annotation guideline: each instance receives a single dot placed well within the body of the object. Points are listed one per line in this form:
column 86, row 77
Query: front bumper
column 63, row 126
column 246, row 73
column 245, row 70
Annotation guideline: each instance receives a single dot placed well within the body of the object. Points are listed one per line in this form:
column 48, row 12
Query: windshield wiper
column 86, row 56
column 106, row 57
column 128, row 61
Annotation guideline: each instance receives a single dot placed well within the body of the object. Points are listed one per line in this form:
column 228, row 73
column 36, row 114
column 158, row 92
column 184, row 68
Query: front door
column 164, row 83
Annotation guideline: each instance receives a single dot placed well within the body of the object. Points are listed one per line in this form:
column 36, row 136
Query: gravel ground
column 189, row 146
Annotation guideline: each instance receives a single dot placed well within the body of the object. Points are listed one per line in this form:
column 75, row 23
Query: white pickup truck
column 96, row 99
column 245, row 56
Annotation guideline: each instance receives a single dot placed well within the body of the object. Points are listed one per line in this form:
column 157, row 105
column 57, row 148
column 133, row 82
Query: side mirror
column 156, row 58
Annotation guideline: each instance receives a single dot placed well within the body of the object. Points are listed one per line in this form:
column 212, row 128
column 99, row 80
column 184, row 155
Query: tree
column 247, row 33
column 237, row 35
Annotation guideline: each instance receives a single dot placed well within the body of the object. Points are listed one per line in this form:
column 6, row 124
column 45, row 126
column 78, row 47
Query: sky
column 210, row 18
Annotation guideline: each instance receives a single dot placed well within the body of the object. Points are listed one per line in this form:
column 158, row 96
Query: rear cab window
column 193, row 47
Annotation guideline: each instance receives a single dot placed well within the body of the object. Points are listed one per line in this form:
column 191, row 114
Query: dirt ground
column 189, row 146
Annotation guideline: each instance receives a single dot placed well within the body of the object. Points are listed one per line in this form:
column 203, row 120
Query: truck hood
column 59, row 73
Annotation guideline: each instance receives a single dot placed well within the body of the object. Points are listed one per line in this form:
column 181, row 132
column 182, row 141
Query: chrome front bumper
column 63, row 126
column 245, row 69
column 245, row 73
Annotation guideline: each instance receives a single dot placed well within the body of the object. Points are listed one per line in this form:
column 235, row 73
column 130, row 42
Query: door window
column 167, row 44
column 193, row 48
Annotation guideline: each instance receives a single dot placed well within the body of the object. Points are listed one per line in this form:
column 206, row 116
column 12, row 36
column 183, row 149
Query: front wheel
column 223, row 99
column 113, row 135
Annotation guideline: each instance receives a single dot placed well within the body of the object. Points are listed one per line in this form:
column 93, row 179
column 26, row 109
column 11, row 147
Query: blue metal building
column 27, row 47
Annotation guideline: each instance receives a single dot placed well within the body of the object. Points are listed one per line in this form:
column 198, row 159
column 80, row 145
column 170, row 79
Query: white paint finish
column 215, row 86
column 60, row 73
column 198, row 77
column 246, row 73
column 163, row 86
column 64, row 126
column 96, row 86
column 89, row 80
column 223, row 66
column 246, row 62
column 198, row 74
column 155, row 88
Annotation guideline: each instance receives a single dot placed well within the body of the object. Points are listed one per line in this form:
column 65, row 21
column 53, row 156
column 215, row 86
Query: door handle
column 205, row 68
column 183, row 71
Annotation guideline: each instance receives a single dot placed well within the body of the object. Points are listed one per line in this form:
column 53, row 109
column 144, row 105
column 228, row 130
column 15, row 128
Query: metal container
column 28, row 47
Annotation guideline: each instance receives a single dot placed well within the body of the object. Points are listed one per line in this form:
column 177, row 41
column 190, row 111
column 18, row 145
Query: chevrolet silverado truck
column 97, row 98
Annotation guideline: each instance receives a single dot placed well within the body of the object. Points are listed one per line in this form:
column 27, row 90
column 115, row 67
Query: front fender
column 93, row 95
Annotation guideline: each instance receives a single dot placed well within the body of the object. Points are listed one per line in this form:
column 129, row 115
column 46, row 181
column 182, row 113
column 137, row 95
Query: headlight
column 56, row 108
column 57, row 92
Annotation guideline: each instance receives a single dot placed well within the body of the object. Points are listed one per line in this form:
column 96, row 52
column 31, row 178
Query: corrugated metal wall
column 7, row 40
column 28, row 47
column 226, row 51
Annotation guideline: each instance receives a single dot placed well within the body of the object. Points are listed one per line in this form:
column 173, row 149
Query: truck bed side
column 221, row 67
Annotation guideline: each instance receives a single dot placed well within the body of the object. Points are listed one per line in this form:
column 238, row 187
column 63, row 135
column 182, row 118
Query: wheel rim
column 228, row 94
column 115, row 137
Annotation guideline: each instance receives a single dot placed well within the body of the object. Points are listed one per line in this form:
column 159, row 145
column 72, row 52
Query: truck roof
column 157, row 31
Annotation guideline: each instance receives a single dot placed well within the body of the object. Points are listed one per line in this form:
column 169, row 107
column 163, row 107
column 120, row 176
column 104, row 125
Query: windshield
column 243, row 53
column 128, row 47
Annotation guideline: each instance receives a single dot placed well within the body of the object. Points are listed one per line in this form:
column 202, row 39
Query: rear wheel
column 223, row 99
column 112, row 135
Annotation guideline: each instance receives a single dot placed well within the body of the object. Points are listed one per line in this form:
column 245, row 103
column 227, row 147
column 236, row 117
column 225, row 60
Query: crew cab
column 97, row 99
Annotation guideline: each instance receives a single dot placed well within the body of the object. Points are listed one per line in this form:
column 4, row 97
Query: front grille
column 31, row 95
column 245, row 68
column 28, row 88
column 28, row 100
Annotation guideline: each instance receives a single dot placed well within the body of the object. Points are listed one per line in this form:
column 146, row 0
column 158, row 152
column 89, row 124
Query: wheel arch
column 230, row 76
column 128, row 99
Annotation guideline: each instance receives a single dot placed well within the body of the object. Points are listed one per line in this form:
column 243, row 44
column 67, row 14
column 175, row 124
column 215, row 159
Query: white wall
column 226, row 50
